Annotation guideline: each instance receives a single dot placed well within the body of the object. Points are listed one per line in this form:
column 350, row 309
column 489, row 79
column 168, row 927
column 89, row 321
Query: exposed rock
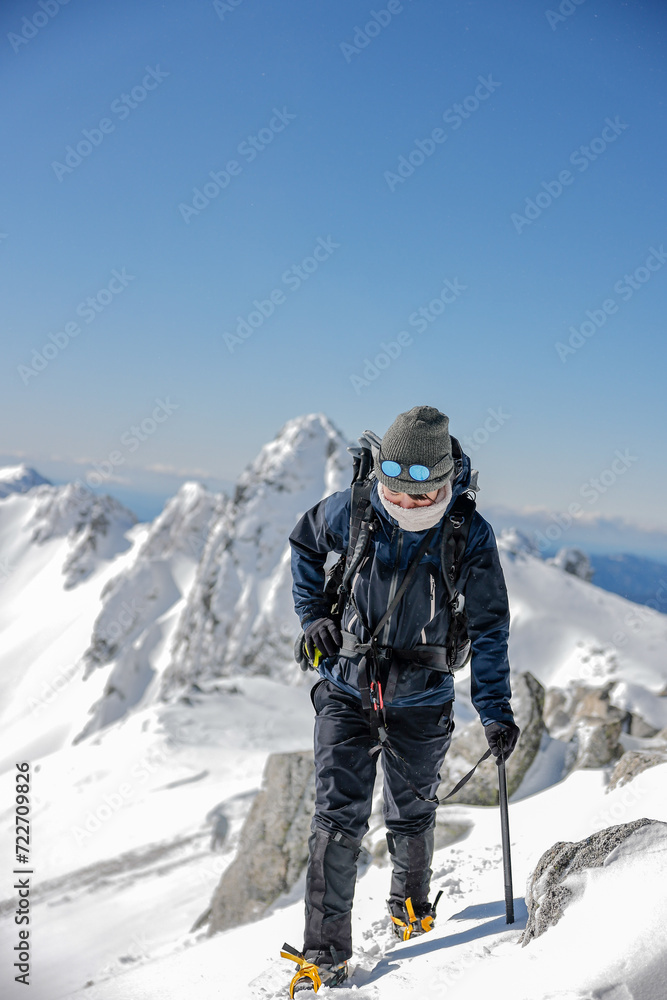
column 640, row 727
column 557, row 718
column 94, row 527
column 470, row 743
column 546, row 895
column 573, row 561
column 633, row 763
column 273, row 843
column 585, row 716
column 596, row 742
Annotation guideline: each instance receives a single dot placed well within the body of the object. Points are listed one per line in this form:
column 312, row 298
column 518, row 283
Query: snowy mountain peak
column 239, row 613
column 292, row 460
column 513, row 542
column 184, row 522
column 20, row 479
column 94, row 526
column 573, row 561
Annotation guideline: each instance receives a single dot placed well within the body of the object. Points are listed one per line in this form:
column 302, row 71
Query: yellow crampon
column 414, row 923
column 306, row 969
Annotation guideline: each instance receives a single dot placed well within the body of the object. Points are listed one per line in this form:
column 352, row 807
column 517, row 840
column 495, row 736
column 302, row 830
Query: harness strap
column 392, row 681
column 466, row 777
column 425, row 654
column 364, row 684
column 454, row 540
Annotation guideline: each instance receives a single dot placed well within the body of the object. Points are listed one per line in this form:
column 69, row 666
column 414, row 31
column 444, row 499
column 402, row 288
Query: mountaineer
column 418, row 592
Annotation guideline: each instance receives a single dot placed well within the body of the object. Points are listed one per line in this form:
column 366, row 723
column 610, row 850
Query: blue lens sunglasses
column 419, row 473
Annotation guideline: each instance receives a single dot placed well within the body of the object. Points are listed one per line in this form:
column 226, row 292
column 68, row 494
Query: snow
column 145, row 672
column 618, row 916
column 19, row 479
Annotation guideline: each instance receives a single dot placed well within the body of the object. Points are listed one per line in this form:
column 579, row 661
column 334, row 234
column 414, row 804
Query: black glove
column 501, row 737
column 325, row 634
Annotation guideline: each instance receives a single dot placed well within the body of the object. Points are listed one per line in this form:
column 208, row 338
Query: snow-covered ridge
column 205, row 590
column 94, row 526
column 239, row 614
column 20, row 479
column 140, row 606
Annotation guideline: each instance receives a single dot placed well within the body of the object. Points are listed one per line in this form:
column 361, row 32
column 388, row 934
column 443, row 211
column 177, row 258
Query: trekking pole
column 505, row 831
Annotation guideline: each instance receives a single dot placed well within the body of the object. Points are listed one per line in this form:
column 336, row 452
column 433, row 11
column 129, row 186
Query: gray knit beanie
column 418, row 437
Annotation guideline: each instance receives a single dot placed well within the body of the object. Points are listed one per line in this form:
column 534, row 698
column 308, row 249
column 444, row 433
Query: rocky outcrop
column 546, row 895
column 585, row 717
column 94, row 526
column 596, row 742
column 273, row 844
column 634, row 762
column 575, row 562
column 470, row 743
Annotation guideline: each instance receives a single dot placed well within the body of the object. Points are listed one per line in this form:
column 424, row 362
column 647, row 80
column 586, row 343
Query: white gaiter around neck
column 418, row 518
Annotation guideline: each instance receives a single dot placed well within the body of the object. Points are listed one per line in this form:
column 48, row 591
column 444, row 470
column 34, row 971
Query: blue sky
column 316, row 112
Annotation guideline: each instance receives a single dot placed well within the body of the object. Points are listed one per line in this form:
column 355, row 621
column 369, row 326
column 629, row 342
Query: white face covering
column 418, row 518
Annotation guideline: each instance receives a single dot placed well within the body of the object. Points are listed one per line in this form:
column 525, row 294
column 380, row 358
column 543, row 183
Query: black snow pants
column 345, row 776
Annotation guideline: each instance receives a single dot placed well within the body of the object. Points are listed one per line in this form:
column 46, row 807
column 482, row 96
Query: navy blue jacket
column 422, row 616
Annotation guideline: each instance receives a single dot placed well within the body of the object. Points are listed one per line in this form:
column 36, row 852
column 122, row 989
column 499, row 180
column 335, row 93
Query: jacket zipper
column 393, row 586
column 432, row 578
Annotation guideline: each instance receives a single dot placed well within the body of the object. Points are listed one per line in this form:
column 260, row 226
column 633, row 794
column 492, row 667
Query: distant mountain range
column 146, row 672
column 643, row 581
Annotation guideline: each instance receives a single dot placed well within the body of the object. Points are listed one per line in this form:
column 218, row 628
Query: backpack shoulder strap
column 362, row 518
column 455, row 538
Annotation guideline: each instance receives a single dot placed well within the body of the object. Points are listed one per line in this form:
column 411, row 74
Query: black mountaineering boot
column 412, row 917
column 309, row 977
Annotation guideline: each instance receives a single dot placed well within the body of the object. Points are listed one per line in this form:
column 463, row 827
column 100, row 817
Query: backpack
column 362, row 525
